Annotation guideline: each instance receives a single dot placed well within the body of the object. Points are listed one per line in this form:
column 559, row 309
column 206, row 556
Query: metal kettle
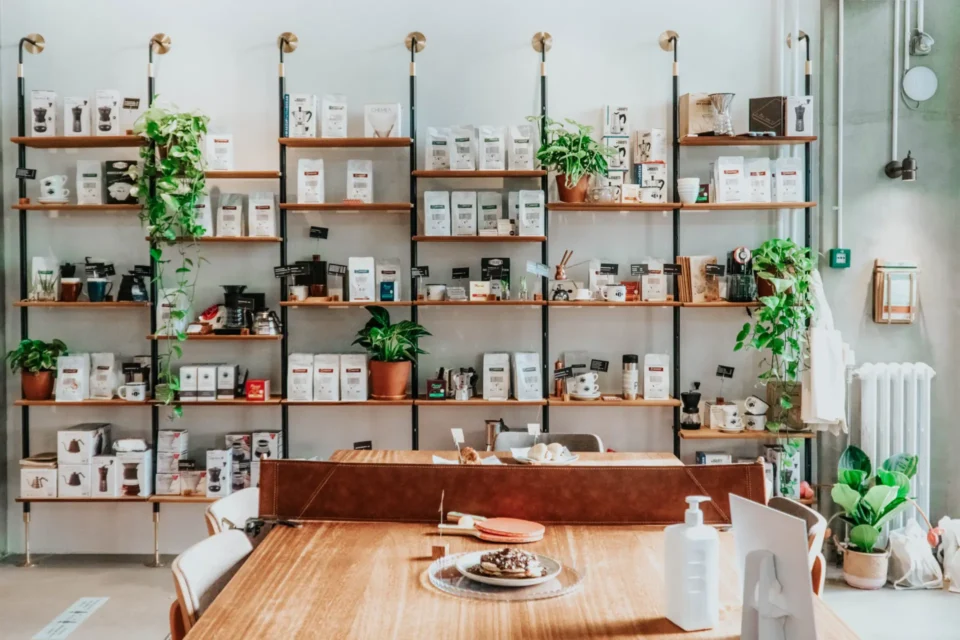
column 266, row 323
column 36, row 482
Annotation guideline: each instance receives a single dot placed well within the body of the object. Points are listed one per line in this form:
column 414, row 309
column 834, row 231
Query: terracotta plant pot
column 37, row 386
column 865, row 570
column 576, row 194
column 764, row 288
column 388, row 380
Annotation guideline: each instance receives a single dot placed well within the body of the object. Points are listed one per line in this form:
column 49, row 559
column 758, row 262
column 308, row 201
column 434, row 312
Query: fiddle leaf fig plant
column 573, row 154
column 170, row 181
column 388, row 342
column 779, row 327
column 34, row 356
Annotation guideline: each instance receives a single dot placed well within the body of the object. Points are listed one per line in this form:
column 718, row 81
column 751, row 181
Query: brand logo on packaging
column 221, row 141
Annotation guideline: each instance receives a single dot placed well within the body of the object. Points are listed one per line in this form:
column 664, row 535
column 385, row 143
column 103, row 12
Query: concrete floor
column 140, row 598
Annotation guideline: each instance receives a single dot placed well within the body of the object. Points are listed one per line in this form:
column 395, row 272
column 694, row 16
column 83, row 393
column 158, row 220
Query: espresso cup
column 614, row 293
column 70, row 289
column 436, row 292
column 133, row 392
column 586, row 389
column 53, row 182
column 583, row 295
column 98, row 289
column 755, row 423
column 297, row 292
column 755, row 406
column 731, row 418
column 588, row 378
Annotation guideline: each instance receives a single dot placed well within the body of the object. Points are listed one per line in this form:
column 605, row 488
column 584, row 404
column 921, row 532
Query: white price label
column 533, row 428
column 457, row 436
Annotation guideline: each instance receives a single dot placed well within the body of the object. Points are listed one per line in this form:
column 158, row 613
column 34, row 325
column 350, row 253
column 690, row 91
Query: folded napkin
column 488, row 460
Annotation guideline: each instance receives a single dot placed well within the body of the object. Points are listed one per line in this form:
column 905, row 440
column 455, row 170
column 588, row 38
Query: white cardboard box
column 172, row 441
column 136, row 472
column 76, row 117
column 302, row 115
column 616, row 121
column 227, row 375
column 107, row 114
column 168, row 462
column 107, row 477
column 651, row 146
column 799, row 116
column 43, row 113
column 206, row 383
column 188, row 384
column 620, row 161
column 381, row 120
column 267, row 444
column 44, row 477
column 219, row 473
column 73, row 481
column 77, row 445
column 168, row 484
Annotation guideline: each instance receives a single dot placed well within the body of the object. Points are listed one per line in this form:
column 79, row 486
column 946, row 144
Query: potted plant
column 392, row 347
column 170, row 180
column 36, row 361
column 869, row 502
column 573, row 155
column 783, row 271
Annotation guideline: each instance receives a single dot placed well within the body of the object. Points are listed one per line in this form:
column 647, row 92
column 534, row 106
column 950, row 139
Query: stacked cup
column 688, row 189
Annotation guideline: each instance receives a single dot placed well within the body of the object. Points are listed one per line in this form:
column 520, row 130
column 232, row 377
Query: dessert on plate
column 509, row 563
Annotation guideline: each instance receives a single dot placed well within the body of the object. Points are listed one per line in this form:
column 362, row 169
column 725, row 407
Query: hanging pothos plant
column 170, row 181
column 779, row 327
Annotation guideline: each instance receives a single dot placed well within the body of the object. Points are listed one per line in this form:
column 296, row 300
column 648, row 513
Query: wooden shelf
column 116, row 402
column 479, row 402
column 611, row 206
column 612, row 305
column 722, row 304
column 235, row 402
column 346, row 143
column 479, row 238
column 38, row 206
column 242, row 175
column 341, row 304
column 222, row 239
column 504, row 173
column 347, row 206
column 181, row 499
column 743, row 141
column 716, row 434
column 126, row 304
column 619, row 402
column 746, row 206
column 407, row 402
column 212, row 337
column 120, row 499
column 490, row 303
column 79, row 142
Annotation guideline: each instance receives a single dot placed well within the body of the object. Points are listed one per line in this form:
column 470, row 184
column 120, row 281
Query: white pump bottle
column 693, row 570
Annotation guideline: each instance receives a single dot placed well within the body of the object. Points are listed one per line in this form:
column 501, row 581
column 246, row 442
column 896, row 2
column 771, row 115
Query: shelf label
column 131, row 103
column 457, row 436
column 715, row 269
column 671, row 269
column 142, row 270
column 321, row 233
column 724, row 371
column 639, row 270
column 609, row 268
column 461, row 273
column 565, row 372
column 601, row 366
column 26, row 174
column 245, row 302
column 336, row 269
column 538, row 269
column 533, row 428
column 291, row 270
column 363, row 445
column 420, row 272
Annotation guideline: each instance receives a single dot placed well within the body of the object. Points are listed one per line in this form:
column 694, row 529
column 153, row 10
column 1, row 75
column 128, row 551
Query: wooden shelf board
column 223, row 239
column 346, row 143
column 126, row 304
column 743, row 141
column 341, row 304
column 38, row 206
column 79, row 142
column 116, row 402
column 120, row 499
column 620, row 402
column 479, row 402
column 491, row 303
column 242, row 175
column 236, row 402
column 407, row 402
column 605, row 304
column 347, row 207
column 612, row 206
column 181, row 499
column 746, row 206
column 479, row 238
column 721, row 304
column 506, row 173
column 716, row 434
column 212, row 337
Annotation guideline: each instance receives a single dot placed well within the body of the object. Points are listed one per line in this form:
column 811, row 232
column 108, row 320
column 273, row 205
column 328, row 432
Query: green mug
column 98, row 289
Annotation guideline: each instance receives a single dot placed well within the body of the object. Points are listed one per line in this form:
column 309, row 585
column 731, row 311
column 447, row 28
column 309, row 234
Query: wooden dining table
column 619, row 458
column 367, row 580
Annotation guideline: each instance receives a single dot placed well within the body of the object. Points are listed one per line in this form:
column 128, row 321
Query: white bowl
column 688, row 196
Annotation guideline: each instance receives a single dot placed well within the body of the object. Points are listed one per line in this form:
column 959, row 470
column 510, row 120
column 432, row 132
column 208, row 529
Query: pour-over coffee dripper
column 104, row 124
column 722, row 122
column 77, row 112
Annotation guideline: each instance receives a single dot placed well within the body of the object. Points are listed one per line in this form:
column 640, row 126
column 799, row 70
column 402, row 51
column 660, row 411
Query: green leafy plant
column 571, row 153
column 388, row 342
column 34, row 356
column 170, row 182
column 780, row 325
column 870, row 501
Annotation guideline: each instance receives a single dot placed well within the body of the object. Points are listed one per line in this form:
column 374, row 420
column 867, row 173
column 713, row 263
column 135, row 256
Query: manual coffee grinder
column 690, row 415
column 104, row 123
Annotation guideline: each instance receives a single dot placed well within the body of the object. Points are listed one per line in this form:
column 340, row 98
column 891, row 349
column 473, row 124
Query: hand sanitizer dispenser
column 692, row 571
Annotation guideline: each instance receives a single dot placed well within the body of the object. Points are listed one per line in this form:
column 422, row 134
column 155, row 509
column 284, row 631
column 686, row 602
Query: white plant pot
column 865, row 570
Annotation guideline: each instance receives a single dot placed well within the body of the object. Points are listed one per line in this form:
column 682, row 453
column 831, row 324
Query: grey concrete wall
column 894, row 219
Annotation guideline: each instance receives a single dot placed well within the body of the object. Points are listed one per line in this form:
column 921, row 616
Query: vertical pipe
column 154, row 344
column 284, row 321
column 906, row 35
column 676, row 243
column 840, row 46
column 414, row 311
column 807, row 224
column 24, row 319
column 895, row 118
column 544, row 249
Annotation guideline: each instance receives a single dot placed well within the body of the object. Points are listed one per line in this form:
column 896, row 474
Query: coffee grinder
column 690, row 415
column 104, row 124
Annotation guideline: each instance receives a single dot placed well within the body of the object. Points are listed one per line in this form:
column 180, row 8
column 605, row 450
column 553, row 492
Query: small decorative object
column 36, row 361
column 439, row 551
column 573, row 155
column 895, row 291
column 561, row 273
column 392, row 347
column 722, row 123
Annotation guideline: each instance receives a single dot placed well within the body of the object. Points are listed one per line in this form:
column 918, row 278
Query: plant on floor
column 572, row 154
column 783, row 270
column 170, row 180
column 36, row 361
column 392, row 347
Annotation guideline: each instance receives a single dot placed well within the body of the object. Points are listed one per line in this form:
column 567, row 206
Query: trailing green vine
column 170, row 180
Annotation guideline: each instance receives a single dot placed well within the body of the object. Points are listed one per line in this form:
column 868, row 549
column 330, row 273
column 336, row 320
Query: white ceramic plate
column 581, row 398
column 557, row 463
column 472, row 559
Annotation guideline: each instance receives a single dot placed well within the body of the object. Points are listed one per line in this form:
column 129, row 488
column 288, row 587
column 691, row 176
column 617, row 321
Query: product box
column 630, row 193
column 168, row 462
column 219, row 473
column 757, row 172
column 650, row 146
column 333, row 120
column 787, row 185
column 463, row 208
column 107, row 116
column 496, row 376
column 656, row 376
column 652, row 177
column 489, row 211
column 480, row 290
column 76, row 117
column 527, row 378
column 89, row 182
column 381, row 120
column 188, row 384
column 239, row 444
column 696, row 114
column 227, row 376
column 767, row 114
column 240, row 476
column 267, row 444
column 799, row 116
column 172, row 441
column 257, row 390
column 301, row 120
column 353, row 377
column 219, row 155
column 786, row 462
column 436, row 215
column 255, row 473
column 78, row 444
column 119, row 182
column 43, row 113
column 38, row 483
column 389, row 282
column 710, row 457
column 193, row 482
column 361, row 274
column 300, row 377
column 616, row 121
column 206, row 383
column 619, row 161
column 614, row 179
column 326, row 377
column 73, row 480
column 137, row 472
column 168, row 484
column 495, row 269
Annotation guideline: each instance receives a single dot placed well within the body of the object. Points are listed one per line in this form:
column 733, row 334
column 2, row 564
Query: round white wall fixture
column 920, row 83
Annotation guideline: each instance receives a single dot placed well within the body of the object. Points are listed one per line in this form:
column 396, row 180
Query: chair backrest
column 507, row 440
column 816, row 523
column 203, row 570
column 177, row 631
column 233, row 510
column 577, row 442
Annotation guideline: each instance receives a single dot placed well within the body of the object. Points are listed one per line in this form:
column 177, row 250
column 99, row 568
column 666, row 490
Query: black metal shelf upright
column 286, row 43
column 415, row 43
column 543, row 42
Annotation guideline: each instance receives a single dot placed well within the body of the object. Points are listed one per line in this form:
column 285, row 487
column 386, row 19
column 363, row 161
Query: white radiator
column 895, row 418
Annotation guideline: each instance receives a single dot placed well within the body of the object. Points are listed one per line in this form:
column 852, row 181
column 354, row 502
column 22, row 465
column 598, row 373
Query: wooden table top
column 620, row 458
column 365, row 580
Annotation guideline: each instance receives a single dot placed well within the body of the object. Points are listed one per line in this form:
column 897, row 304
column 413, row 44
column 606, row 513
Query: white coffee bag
column 493, row 148
column 438, row 149
column 788, row 180
column 496, row 376
column 300, row 377
column 73, row 377
column 463, row 207
column 334, row 116
column 353, row 377
column 489, row 210
column 436, row 213
column 463, row 148
column 656, row 376
column 89, row 182
column 729, row 180
column 230, row 215
column 360, row 181
column 219, row 154
column 203, row 213
column 653, row 286
column 310, row 188
column 362, row 278
column 527, row 380
column 522, row 146
column 262, row 215
column 388, row 280
column 326, row 377
column 531, row 221
column 103, row 375
column 757, row 171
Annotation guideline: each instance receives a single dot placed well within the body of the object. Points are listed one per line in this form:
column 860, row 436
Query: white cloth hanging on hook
column 824, row 389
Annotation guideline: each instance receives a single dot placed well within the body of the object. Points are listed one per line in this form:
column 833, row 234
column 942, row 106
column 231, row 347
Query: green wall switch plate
column 839, row 258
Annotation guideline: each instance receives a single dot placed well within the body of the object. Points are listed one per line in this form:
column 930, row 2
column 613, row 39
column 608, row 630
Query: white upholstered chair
column 233, row 511
column 816, row 530
column 575, row 442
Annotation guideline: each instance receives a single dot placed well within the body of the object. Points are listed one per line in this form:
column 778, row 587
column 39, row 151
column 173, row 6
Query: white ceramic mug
column 436, row 292
column 583, row 295
column 53, row 182
column 731, row 418
column 588, row 378
column 755, row 423
column 586, row 389
column 297, row 292
column 133, row 392
column 755, row 406
column 614, row 293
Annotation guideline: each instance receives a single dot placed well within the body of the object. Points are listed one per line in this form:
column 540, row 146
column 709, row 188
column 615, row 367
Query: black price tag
column 715, row 269
column 639, row 270
column 244, row 302
column 27, row 174
column 461, row 273
column 336, row 269
column 671, row 269
column 109, row 270
column 142, row 270
column 609, row 268
column 131, row 103
column 420, row 272
column 565, row 372
column 600, row 365
column 363, row 445
column 724, row 371
column 291, row 270
column 281, row 272
column 319, row 232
